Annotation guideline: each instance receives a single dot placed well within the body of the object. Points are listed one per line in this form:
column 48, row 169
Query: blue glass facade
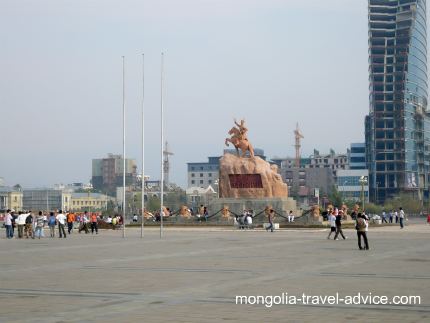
column 357, row 156
column 398, row 126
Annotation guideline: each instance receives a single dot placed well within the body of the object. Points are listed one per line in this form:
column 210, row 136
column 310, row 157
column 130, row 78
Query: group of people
column 394, row 215
column 361, row 225
column 116, row 221
column 31, row 225
column 245, row 219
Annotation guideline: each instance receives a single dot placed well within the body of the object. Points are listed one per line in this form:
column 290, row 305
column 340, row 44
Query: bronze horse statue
column 243, row 144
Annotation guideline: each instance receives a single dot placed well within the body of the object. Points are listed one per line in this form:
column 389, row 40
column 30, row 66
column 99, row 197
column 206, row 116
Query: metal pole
column 123, row 147
column 162, row 141
column 143, row 145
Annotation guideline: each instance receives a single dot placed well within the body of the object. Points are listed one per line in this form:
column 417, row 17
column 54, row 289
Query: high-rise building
column 107, row 173
column 357, row 156
column 398, row 126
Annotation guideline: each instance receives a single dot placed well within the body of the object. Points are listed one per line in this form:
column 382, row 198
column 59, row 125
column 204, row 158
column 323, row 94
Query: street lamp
column 342, row 192
column 362, row 181
column 377, row 195
column 216, row 183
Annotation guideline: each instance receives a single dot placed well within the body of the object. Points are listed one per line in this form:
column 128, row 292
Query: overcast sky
column 272, row 62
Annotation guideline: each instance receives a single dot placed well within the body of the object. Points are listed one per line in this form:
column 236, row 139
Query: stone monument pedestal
column 282, row 205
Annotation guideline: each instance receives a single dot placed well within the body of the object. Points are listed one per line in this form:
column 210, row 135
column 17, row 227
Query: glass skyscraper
column 398, row 125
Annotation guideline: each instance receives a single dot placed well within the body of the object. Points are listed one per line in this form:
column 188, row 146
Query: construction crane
column 298, row 135
column 166, row 163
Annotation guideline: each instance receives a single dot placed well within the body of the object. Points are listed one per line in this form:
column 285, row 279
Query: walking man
column 271, row 217
column 84, row 223
column 391, row 216
column 397, row 216
column 61, row 218
column 384, row 217
column 401, row 217
column 362, row 226
column 70, row 220
column 339, row 226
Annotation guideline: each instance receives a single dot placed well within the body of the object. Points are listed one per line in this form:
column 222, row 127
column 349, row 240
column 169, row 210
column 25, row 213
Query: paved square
column 193, row 275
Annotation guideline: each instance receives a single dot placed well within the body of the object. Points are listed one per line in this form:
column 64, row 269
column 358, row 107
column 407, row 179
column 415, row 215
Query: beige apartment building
column 10, row 199
column 89, row 202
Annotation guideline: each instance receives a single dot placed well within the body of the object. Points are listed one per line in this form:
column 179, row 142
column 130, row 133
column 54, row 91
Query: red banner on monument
column 245, row 181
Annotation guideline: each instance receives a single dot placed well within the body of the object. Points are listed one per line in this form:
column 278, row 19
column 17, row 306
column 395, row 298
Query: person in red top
column 94, row 223
column 428, row 219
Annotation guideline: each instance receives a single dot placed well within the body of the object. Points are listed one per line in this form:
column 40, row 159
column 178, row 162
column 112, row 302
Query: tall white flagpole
column 161, row 145
column 123, row 147
column 143, row 145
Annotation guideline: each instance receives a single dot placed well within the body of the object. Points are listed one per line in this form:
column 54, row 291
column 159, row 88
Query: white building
column 197, row 196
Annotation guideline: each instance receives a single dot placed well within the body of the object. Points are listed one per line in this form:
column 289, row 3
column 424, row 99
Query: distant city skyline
column 271, row 62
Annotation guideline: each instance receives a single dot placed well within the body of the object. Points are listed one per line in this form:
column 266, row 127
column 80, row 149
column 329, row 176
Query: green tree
column 174, row 200
column 372, row 208
column 110, row 209
column 335, row 197
column 153, row 203
column 406, row 201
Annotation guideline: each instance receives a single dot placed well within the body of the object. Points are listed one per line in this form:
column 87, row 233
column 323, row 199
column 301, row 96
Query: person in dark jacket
column 339, row 226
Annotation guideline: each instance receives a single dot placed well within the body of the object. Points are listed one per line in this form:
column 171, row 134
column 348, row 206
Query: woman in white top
column 332, row 221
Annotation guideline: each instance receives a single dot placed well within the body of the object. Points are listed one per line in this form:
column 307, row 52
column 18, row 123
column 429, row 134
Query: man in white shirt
column 401, row 217
column 20, row 221
column 61, row 218
column 8, row 224
column 397, row 216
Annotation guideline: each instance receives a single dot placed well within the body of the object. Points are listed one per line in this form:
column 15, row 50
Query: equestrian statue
column 239, row 139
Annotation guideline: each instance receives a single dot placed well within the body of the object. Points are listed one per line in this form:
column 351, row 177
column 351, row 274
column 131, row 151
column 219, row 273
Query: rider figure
column 242, row 129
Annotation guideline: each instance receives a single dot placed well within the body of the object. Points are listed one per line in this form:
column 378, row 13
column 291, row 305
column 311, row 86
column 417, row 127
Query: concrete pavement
column 193, row 275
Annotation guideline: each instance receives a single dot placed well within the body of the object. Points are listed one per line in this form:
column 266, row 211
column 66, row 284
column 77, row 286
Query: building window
column 210, row 175
column 193, row 182
column 201, row 174
column 193, row 175
column 201, row 181
column 210, row 181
